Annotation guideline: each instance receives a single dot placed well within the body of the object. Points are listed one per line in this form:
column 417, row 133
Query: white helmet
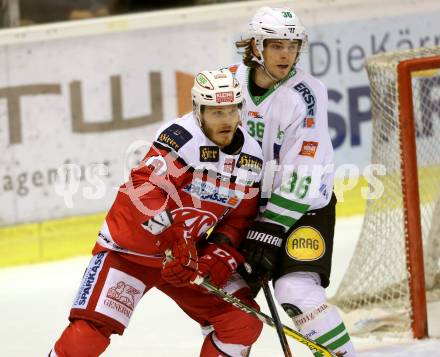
column 276, row 23
column 215, row 88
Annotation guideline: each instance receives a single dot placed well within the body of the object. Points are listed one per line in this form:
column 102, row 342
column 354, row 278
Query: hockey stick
column 231, row 299
column 276, row 319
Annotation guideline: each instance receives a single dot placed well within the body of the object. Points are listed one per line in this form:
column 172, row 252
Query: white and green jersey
column 290, row 123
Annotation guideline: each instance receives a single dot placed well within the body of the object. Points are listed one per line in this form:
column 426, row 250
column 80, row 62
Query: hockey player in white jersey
column 286, row 112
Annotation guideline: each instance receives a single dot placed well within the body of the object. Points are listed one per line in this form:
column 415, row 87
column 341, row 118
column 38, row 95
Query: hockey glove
column 219, row 262
column 261, row 248
column 181, row 262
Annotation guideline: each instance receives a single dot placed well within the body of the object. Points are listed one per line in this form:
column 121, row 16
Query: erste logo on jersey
column 249, row 162
column 309, row 100
column 309, row 148
column 175, row 136
column 224, row 97
column 209, row 153
column 198, row 221
column 206, row 191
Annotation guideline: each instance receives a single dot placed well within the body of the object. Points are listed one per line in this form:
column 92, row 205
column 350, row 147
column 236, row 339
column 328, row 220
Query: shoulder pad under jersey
column 174, row 136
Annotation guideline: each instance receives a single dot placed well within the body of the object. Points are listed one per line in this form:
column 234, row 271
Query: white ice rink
column 35, row 301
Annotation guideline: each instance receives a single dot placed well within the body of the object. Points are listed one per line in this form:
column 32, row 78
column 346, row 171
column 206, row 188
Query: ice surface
column 35, row 301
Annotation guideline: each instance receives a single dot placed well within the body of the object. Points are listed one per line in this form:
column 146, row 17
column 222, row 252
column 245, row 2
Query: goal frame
column 410, row 192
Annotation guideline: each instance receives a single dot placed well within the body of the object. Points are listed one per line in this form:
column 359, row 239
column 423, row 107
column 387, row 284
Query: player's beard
column 221, row 140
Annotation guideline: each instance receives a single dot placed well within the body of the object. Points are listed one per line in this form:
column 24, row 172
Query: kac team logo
column 198, row 221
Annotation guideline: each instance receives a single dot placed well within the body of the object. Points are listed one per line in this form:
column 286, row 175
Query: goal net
column 395, row 266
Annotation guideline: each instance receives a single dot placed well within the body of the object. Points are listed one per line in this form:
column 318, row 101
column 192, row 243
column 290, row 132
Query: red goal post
column 401, row 229
column 410, row 191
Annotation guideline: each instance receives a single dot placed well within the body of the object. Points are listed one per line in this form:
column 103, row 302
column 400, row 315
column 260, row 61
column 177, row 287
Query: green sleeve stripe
column 339, row 342
column 284, row 220
column 280, row 201
column 335, row 344
column 331, row 334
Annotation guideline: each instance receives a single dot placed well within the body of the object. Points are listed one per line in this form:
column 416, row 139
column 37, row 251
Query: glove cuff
column 210, row 248
column 267, row 233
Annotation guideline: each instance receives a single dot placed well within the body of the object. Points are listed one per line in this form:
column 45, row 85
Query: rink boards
column 82, row 93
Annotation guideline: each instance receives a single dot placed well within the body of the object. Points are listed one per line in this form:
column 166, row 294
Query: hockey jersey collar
column 259, row 99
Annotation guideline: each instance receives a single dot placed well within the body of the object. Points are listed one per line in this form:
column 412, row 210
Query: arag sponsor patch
column 305, row 244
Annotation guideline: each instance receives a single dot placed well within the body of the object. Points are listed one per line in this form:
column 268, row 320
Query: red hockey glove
column 181, row 263
column 219, row 262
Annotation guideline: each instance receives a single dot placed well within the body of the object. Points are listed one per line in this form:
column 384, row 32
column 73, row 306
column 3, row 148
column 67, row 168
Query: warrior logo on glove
column 261, row 248
column 264, row 238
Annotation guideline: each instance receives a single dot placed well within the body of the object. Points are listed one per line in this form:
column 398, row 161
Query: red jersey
column 185, row 179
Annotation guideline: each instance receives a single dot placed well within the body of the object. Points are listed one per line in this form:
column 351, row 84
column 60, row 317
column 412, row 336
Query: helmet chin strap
column 197, row 113
column 268, row 73
column 260, row 61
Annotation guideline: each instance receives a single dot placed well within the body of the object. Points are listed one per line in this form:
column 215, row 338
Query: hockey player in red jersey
column 201, row 172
